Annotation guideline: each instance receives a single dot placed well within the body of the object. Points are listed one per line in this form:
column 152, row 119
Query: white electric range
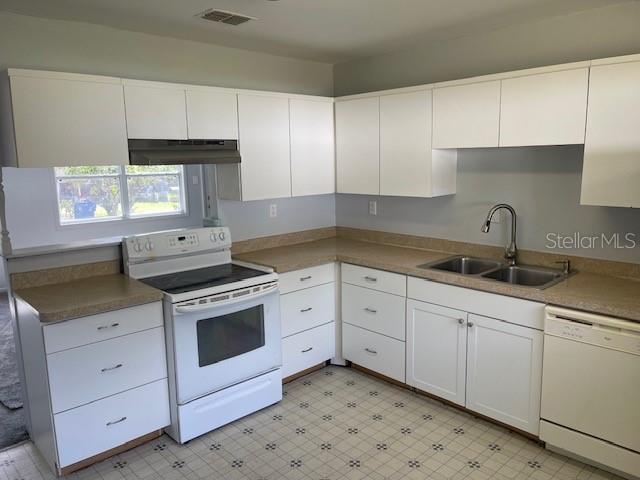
column 222, row 324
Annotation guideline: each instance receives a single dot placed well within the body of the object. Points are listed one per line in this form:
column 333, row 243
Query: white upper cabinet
column 211, row 114
column 611, row 169
column 408, row 166
column 264, row 147
column 358, row 146
column 466, row 116
column 56, row 119
column 544, row 109
column 312, row 147
column 155, row 110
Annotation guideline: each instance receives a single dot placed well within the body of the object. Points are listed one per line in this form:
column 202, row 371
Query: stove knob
column 137, row 247
column 149, row 246
column 213, row 237
column 221, row 236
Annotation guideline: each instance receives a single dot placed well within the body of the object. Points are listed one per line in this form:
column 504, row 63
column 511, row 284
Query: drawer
column 309, row 348
column 375, row 279
column 84, row 374
column 377, row 311
column 307, row 277
column 374, row 351
column 108, row 423
column 95, row 328
column 307, row 308
column 510, row 309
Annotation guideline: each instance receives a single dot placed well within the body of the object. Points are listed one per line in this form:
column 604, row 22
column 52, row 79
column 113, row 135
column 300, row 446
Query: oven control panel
column 176, row 242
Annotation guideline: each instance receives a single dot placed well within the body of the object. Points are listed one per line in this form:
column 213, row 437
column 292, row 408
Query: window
column 92, row 194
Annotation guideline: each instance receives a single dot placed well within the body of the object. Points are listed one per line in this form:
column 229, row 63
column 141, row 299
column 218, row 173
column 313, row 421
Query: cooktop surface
column 201, row 278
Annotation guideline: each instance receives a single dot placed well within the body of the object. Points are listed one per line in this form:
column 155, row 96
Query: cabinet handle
column 307, row 350
column 108, row 369
column 372, row 352
column 370, row 310
column 308, row 309
column 120, row 420
column 105, row 327
column 303, row 279
column 461, row 321
column 370, row 279
column 470, row 324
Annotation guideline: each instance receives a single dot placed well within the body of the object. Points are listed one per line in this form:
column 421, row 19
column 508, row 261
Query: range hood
column 182, row 152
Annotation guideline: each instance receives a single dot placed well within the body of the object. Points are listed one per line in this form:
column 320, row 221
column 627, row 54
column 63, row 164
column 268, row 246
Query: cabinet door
column 405, row 144
column 611, row 168
column 60, row 122
column 436, row 350
column 264, row 146
column 545, row 109
column 312, row 147
column 358, row 146
column 466, row 116
column 504, row 372
column 212, row 115
column 155, row 112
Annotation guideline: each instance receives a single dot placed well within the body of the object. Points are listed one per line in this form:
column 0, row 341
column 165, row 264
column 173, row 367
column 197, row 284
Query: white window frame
column 122, row 177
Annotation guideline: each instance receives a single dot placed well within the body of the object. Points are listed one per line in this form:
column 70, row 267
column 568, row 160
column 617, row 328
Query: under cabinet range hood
column 182, row 152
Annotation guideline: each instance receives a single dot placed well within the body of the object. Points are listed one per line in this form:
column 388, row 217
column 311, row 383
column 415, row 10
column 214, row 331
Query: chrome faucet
column 511, row 252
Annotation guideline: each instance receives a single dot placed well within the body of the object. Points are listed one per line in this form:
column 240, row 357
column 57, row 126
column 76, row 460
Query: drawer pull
column 108, row 369
column 114, row 422
column 307, row 350
column 461, row 321
column 370, row 279
column 370, row 310
column 470, row 324
column 106, row 327
column 308, row 309
column 304, row 279
column 372, row 352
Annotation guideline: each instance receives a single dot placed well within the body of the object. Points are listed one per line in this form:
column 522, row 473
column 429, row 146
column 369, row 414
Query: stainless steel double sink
column 528, row 276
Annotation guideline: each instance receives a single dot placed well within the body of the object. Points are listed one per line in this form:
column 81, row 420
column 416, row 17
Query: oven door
column 219, row 345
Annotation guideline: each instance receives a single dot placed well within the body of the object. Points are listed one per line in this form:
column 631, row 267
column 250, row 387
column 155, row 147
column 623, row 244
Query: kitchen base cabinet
column 307, row 349
column 504, row 371
column 97, row 393
column 437, row 350
column 376, row 352
column 308, row 314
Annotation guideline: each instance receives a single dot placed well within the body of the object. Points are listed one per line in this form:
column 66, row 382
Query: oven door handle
column 200, row 307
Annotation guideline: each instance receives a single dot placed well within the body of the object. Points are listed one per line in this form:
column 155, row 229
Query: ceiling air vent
column 221, row 16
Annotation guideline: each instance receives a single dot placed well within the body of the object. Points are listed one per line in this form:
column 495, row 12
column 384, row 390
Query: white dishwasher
column 591, row 388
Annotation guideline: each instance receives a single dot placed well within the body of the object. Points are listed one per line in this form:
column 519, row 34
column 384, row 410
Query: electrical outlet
column 273, row 210
column 373, row 207
column 195, row 180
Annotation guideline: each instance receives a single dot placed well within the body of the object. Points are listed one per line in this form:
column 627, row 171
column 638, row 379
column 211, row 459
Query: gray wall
column 542, row 184
column 598, row 33
column 29, row 42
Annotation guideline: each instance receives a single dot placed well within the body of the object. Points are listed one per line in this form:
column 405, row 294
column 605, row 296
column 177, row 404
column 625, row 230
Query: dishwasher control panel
column 611, row 335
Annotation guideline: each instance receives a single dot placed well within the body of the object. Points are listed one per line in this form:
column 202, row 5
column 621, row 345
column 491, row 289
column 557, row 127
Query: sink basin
column 463, row 265
column 526, row 276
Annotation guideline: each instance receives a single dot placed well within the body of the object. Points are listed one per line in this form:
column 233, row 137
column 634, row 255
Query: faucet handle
column 566, row 264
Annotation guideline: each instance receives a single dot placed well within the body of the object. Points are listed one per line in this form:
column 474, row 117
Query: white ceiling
column 322, row 30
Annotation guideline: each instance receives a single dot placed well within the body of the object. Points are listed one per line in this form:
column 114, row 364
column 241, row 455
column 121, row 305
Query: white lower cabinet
column 111, row 422
column 307, row 349
column 307, row 315
column 437, row 350
column 490, row 366
column 504, row 372
column 376, row 352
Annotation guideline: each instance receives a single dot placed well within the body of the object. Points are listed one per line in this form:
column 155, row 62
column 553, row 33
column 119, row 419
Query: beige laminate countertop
column 604, row 294
column 89, row 296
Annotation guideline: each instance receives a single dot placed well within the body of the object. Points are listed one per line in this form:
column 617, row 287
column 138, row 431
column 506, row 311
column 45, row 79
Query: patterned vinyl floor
column 336, row 423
